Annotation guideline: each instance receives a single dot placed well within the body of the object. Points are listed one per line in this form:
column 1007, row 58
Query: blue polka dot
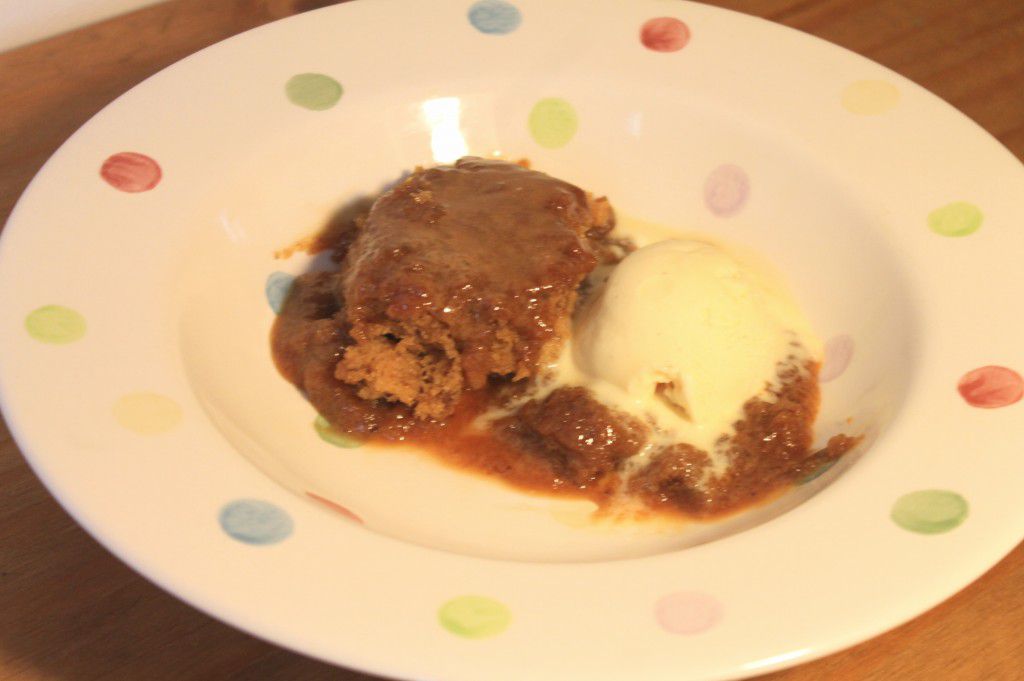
column 495, row 17
column 279, row 285
column 255, row 522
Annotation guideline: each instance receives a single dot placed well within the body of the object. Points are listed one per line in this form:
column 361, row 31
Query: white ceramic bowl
column 136, row 272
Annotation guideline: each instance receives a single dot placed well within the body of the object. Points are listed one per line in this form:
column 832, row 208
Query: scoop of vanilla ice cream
column 684, row 332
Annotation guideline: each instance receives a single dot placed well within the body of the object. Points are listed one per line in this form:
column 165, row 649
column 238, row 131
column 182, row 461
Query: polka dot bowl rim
column 165, row 494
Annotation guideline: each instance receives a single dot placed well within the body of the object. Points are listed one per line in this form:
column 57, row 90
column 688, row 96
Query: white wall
column 25, row 21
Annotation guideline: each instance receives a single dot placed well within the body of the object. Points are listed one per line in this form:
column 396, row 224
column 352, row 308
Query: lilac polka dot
column 838, row 353
column 726, row 190
column 687, row 612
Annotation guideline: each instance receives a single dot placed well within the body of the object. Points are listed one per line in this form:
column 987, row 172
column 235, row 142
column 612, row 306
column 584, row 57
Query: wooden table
column 69, row 610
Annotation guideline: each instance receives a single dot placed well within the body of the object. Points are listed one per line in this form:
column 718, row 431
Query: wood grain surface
column 69, row 610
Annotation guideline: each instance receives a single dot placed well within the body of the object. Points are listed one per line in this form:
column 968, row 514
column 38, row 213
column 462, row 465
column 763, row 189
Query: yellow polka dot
column 870, row 97
column 147, row 413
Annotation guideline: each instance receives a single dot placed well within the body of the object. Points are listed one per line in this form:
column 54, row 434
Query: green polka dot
column 328, row 434
column 955, row 219
column 816, row 473
column 55, row 324
column 553, row 122
column 474, row 616
column 929, row 511
column 313, row 91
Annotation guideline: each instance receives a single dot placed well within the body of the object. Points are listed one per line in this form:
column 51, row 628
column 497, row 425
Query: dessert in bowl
column 503, row 320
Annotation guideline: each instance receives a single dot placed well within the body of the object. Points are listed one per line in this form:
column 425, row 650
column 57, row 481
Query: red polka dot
column 991, row 387
column 664, row 34
column 335, row 507
column 131, row 172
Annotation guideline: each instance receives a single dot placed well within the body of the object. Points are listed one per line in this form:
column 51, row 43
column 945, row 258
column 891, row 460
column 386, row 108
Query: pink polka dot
column 726, row 190
column 838, row 353
column 131, row 172
column 664, row 34
column 335, row 507
column 990, row 387
column 687, row 612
